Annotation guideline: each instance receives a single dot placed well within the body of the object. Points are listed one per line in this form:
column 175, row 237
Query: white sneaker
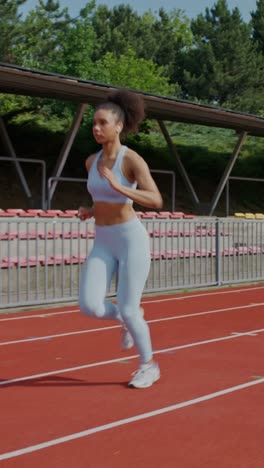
column 145, row 376
column 127, row 341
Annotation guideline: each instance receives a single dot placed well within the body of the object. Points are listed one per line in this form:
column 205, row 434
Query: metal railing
column 41, row 258
column 16, row 160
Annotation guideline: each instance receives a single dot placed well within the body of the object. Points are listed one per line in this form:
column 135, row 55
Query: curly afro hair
column 128, row 106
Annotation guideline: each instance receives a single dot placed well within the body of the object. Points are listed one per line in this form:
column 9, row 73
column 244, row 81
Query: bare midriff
column 106, row 214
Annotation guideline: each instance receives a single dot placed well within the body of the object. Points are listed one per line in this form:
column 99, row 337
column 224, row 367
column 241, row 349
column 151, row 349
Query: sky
column 191, row 7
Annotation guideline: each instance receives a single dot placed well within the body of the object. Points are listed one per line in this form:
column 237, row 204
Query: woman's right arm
column 85, row 212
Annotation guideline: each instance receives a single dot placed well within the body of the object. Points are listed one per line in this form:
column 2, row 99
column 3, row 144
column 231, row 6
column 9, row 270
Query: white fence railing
column 41, row 258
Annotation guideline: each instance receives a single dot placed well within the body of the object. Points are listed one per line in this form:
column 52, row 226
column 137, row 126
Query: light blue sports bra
column 99, row 187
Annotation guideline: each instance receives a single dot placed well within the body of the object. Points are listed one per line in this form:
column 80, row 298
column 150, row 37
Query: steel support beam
column 227, row 172
column 179, row 164
column 13, row 156
column 67, row 147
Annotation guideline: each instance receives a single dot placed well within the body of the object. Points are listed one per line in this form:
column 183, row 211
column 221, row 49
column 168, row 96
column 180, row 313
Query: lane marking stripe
column 168, row 299
column 122, row 422
column 94, row 330
column 119, row 360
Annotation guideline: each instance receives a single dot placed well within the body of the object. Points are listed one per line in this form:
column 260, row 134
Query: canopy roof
column 23, row 81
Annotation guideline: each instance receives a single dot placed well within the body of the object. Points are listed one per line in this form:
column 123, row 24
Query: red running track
column 65, row 401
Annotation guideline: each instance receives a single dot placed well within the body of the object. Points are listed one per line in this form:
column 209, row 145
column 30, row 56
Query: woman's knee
column 129, row 313
column 92, row 308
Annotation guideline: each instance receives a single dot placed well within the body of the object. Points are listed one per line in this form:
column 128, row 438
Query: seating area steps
column 60, row 259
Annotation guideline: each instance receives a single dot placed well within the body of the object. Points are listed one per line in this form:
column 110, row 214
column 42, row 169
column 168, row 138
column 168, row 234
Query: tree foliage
column 11, row 33
column 258, row 25
column 217, row 68
column 215, row 58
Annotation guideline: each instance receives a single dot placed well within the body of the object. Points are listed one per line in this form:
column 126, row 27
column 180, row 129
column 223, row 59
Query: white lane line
column 44, row 315
column 194, row 296
column 167, row 299
column 243, row 334
column 119, row 360
column 94, row 330
column 123, row 422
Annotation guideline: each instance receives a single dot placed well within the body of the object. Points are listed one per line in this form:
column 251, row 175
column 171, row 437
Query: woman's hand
column 108, row 174
column 84, row 213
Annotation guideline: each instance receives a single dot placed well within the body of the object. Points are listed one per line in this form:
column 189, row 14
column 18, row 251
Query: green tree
column 131, row 72
column 153, row 37
column 40, row 45
column 217, row 68
column 172, row 33
column 10, row 29
column 258, row 25
column 122, row 28
column 78, row 45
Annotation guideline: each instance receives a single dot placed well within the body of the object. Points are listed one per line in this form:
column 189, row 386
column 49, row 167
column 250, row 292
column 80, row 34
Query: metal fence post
column 218, row 252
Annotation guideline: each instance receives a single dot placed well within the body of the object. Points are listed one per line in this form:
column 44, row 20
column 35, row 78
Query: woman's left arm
column 147, row 194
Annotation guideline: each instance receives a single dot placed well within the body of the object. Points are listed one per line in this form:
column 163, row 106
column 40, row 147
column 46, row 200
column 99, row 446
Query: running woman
column 117, row 177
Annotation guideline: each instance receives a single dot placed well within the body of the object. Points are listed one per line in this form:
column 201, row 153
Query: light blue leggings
column 123, row 249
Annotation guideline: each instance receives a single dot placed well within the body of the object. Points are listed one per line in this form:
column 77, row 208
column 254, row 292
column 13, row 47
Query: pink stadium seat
column 7, row 264
column 72, row 212
column 87, row 235
column 149, row 215
column 156, row 233
column 71, row 260
column 166, row 214
column 155, row 254
column 254, row 250
column 8, row 236
column 230, row 251
column 15, row 261
column 242, row 250
column 203, row 253
column 49, row 235
column 187, row 233
column 202, row 232
column 173, row 233
column 49, row 213
column 163, row 215
column 80, row 258
column 176, row 215
column 34, row 211
column 70, row 235
column 26, row 215
column 28, row 235
column 57, row 259
column 171, row 254
column 186, row 253
column 5, row 214
column 15, row 211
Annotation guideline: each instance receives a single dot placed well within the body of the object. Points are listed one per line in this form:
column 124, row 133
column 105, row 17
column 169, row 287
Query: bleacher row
column 182, row 249
column 249, row 215
column 89, row 234
column 34, row 260
column 31, row 213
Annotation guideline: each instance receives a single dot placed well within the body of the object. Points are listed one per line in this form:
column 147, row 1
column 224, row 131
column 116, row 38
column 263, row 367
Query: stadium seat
column 174, row 233
column 149, row 215
column 6, row 214
column 249, row 216
column 8, row 236
column 187, row 233
column 169, row 254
